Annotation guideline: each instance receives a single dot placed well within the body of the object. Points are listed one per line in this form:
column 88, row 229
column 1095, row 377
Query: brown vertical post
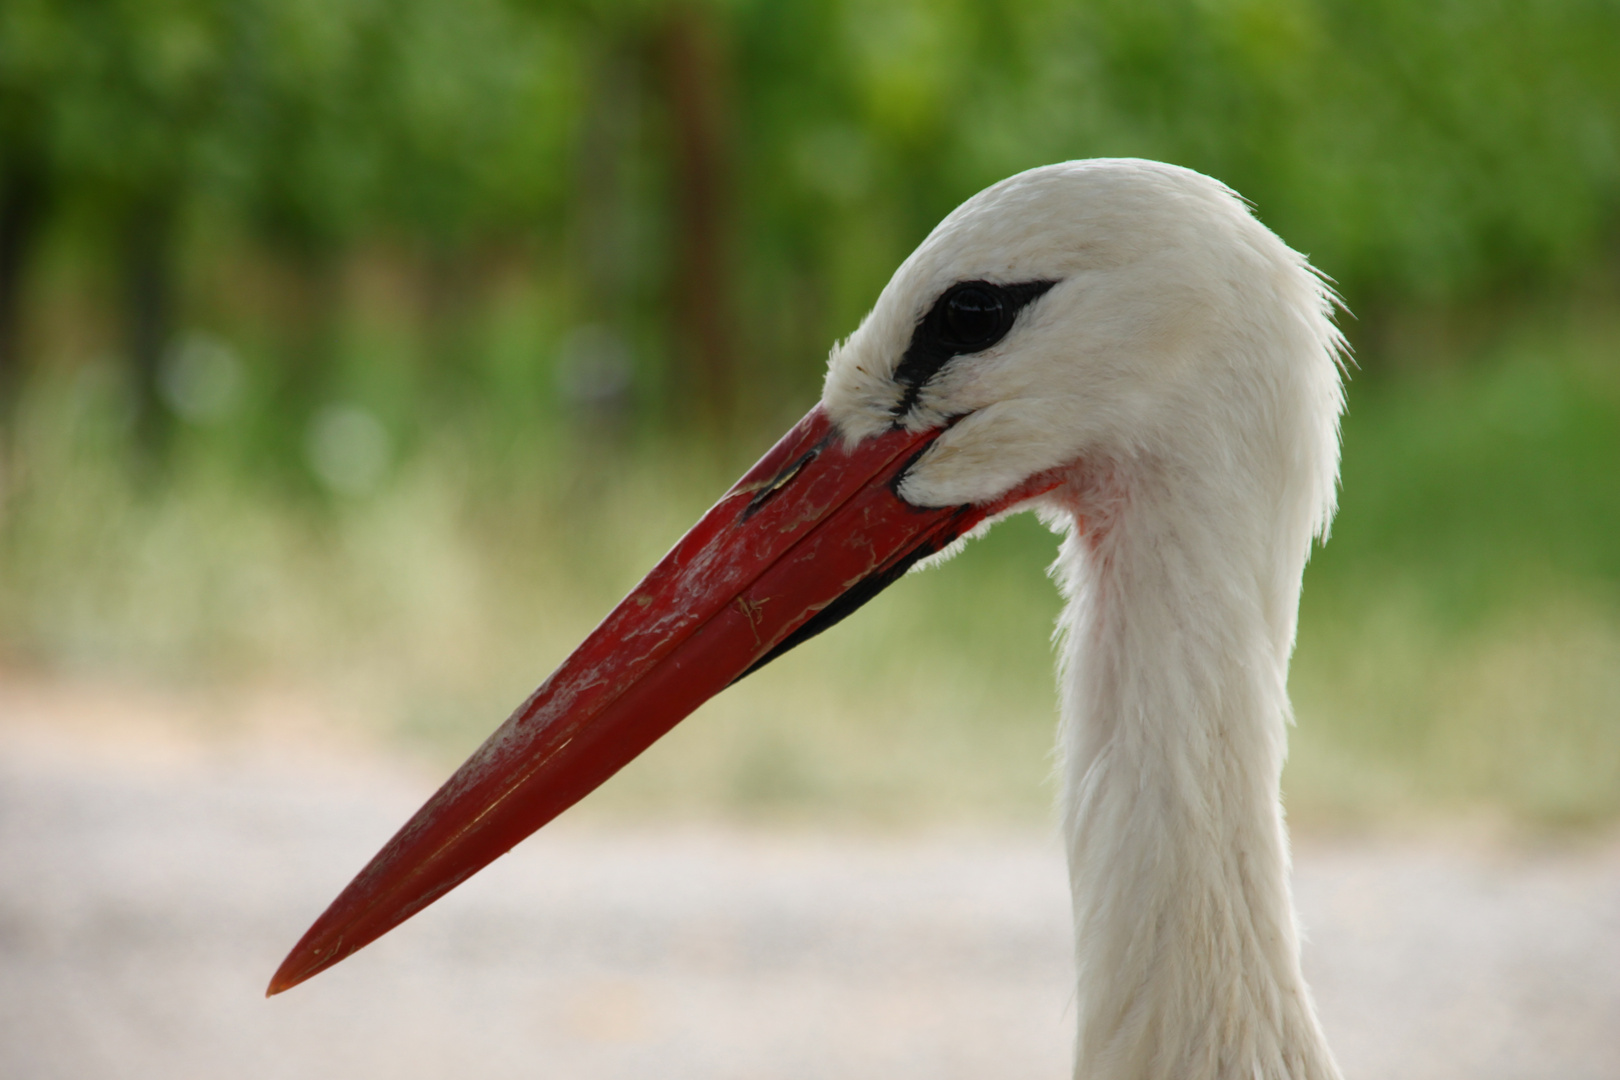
column 149, row 298
column 694, row 74
column 22, row 198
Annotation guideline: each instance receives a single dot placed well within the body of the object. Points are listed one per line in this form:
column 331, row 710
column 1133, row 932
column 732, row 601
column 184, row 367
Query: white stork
column 1120, row 346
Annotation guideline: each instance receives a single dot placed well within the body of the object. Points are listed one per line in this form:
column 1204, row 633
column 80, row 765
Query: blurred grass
column 1460, row 635
column 1459, row 642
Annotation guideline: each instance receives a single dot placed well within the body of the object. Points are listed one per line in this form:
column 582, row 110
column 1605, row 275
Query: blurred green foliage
column 382, row 343
column 1421, row 153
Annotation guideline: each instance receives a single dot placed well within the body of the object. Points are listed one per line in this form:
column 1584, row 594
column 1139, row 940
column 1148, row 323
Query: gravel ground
column 146, row 897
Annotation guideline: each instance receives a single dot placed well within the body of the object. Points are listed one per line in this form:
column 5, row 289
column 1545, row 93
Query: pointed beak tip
column 285, row 980
column 299, row 966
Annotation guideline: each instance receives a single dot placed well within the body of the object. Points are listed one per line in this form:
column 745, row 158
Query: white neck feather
column 1177, row 636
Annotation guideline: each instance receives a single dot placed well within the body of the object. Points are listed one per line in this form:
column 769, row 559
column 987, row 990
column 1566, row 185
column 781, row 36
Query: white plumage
column 1184, row 374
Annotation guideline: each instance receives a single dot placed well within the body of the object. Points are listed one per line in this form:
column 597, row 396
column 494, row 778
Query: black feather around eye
column 969, row 317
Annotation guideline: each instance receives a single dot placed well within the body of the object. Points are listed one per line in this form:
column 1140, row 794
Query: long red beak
column 811, row 533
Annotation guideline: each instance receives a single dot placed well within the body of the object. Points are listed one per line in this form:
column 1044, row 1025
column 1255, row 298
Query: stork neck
column 1174, row 732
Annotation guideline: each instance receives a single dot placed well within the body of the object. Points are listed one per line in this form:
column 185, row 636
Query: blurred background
column 357, row 355
column 366, row 351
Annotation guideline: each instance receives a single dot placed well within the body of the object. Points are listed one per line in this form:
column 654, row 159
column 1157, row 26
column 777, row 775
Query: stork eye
column 973, row 318
column 968, row 318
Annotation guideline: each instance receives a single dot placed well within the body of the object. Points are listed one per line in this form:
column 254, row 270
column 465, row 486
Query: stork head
column 1123, row 312
column 1119, row 311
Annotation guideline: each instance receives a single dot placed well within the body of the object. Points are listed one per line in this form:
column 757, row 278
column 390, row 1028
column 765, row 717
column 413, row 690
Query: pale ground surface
column 150, row 881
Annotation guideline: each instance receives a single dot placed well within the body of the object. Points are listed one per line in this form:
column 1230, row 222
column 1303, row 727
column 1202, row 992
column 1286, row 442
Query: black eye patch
column 968, row 317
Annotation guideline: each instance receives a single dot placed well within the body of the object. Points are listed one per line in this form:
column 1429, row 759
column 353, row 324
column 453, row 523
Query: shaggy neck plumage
column 1173, row 743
